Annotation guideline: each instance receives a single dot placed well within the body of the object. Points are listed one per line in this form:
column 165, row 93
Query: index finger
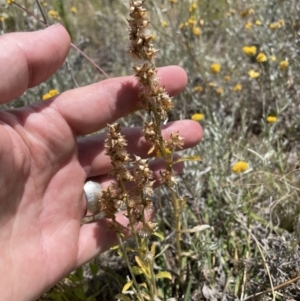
column 91, row 108
column 29, row 58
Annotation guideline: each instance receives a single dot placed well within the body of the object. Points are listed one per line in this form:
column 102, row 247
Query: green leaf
column 189, row 158
column 79, row 293
column 122, row 297
column 159, row 235
column 143, row 266
column 163, row 274
column 120, row 253
column 79, row 273
column 188, row 290
column 73, row 278
column 55, row 296
column 144, row 285
column 93, row 268
column 126, row 287
column 153, row 247
column 137, row 270
column 146, row 296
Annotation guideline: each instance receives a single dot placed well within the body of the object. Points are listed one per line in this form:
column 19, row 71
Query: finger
column 90, row 108
column 92, row 154
column 27, row 59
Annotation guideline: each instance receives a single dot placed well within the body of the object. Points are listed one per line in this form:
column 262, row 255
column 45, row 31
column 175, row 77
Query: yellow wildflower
column 273, row 58
column 198, row 88
column 196, row 31
column 192, row 21
column 253, row 74
column 153, row 37
column 53, row 14
column 10, row 1
column 238, row 87
column 73, row 9
column 212, row 84
column 271, row 119
column 173, row 1
column 181, row 25
column 283, row 65
column 192, row 7
column 248, row 25
column 250, row 50
column 50, row 94
column 257, row 22
column 2, row 19
column 164, row 24
column 46, row 96
column 53, row 92
column 240, row 166
column 215, row 68
column 220, row 91
column 197, row 116
column 261, row 58
column 276, row 25
column 227, row 78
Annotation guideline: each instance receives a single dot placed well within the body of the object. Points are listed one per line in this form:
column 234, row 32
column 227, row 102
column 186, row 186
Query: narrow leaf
column 198, row 228
column 143, row 285
column 189, row 158
column 159, row 235
column 137, row 270
column 146, row 296
column 126, row 286
column 153, row 247
column 79, row 293
column 151, row 150
column 115, row 247
column 142, row 265
column 188, row 290
column 122, row 297
column 163, row 274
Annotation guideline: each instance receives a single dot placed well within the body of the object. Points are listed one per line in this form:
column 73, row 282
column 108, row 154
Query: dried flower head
column 198, row 88
column 283, row 65
column 238, row 87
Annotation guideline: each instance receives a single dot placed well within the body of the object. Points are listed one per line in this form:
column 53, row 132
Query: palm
column 43, row 203
column 44, row 165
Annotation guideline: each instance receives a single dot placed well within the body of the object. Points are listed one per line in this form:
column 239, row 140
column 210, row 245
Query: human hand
column 44, row 164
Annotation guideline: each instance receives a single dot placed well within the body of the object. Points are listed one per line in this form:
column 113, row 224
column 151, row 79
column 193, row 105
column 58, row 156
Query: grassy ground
column 243, row 61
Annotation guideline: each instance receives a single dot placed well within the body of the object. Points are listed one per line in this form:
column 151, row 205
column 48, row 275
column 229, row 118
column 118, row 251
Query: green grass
column 252, row 242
